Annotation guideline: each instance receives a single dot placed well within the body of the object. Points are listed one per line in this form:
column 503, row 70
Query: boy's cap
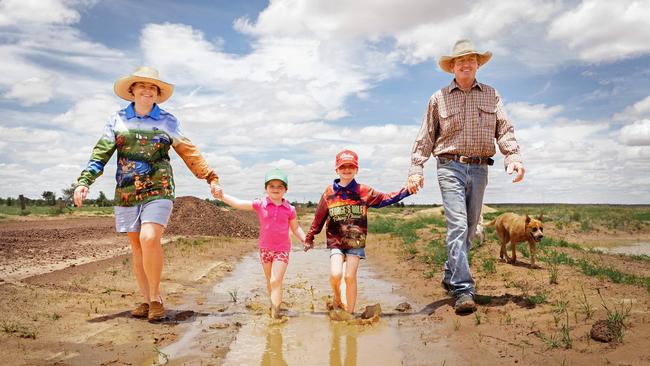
column 347, row 157
column 276, row 174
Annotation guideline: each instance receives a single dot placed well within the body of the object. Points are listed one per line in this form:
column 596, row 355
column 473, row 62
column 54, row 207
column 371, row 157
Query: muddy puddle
column 634, row 249
column 308, row 336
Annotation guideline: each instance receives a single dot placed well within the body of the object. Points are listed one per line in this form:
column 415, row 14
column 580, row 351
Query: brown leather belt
column 468, row 159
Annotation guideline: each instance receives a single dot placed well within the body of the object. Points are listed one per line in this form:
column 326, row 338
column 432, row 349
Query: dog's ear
column 541, row 217
column 527, row 219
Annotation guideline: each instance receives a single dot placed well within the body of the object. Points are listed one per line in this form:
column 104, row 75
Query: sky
column 290, row 83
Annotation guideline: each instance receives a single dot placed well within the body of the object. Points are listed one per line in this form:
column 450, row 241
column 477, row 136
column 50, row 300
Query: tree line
column 49, row 198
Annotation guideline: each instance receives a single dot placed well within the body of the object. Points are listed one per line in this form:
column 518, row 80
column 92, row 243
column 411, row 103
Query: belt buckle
column 463, row 159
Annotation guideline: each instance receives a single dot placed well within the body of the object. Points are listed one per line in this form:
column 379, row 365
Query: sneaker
column 156, row 311
column 465, row 304
column 142, row 311
column 447, row 287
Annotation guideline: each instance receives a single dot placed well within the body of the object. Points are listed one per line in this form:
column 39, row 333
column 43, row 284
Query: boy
column 345, row 206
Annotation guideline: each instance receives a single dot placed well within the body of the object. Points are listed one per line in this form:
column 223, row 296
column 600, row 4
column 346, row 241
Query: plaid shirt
column 345, row 210
column 464, row 123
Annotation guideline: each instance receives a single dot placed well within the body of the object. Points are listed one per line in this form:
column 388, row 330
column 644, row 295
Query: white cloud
column 640, row 109
column 88, row 115
column 524, row 113
column 605, row 30
column 31, row 91
column 636, row 134
column 19, row 12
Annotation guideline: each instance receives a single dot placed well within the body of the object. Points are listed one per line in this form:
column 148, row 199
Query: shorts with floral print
column 268, row 255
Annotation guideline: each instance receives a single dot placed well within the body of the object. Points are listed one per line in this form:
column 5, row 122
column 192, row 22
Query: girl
column 276, row 216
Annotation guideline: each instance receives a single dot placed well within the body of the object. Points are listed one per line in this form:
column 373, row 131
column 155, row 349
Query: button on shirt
column 464, row 123
column 274, row 223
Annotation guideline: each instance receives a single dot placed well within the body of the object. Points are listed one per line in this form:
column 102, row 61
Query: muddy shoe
column 142, row 311
column 465, row 304
column 340, row 315
column 156, row 311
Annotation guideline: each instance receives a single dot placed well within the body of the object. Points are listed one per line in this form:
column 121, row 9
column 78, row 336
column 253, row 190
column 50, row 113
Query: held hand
column 216, row 191
column 80, row 194
column 306, row 246
column 519, row 167
column 414, row 183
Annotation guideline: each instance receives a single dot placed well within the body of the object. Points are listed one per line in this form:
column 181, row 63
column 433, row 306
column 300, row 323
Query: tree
column 102, row 201
column 68, row 193
column 49, row 197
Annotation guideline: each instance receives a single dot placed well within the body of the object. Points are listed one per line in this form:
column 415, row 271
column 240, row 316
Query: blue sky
column 290, row 83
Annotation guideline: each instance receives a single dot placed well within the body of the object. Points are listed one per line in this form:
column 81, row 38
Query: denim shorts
column 130, row 219
column 359, row 252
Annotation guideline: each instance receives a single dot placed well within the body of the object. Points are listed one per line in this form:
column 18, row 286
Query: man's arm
column 423, row 146
column 505, row 136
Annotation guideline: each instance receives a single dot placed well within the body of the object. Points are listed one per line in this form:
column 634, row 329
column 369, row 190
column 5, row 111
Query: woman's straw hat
column 462, row 48
column 146, row 75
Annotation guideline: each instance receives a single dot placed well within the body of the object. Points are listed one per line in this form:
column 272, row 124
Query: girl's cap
column 276, row 174
column 347, row 157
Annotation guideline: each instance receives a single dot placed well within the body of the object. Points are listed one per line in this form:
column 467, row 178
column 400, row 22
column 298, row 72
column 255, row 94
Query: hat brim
column 356, row 165
column 446, row 61
column 122, row 85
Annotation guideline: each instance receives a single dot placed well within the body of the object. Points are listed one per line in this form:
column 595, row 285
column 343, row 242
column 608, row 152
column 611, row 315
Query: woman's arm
column 235, row 202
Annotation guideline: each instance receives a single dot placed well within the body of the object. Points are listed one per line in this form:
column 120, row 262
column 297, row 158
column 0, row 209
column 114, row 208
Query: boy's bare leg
column 336, row 275
column 352, row 264
column 138, row 268
column 278, row 270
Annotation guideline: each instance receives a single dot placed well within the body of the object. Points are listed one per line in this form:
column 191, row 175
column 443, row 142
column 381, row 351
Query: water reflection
column 344, row 341
column 273, row 352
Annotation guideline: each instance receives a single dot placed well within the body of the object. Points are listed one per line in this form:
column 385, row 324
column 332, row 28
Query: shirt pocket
column 487, row 116
column 450, row 121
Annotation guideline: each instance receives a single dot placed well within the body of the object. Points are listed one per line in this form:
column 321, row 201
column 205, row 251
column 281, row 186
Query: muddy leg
column 138, row 269
column 336, row 274
column 352, row 264
column 513, row 260
column 277, row 276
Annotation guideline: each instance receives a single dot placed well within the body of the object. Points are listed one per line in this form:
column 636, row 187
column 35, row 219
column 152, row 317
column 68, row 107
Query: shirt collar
column 267, row 201
column 350, row 187
column 154, row 114
column 454, row 85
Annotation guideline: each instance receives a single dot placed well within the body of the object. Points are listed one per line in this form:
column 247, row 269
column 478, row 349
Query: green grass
column 52, row 210
column 585, row 218
column 17, row 329
column 488, row 266
column 538, row 298
column 435, row 253
column 613, row 274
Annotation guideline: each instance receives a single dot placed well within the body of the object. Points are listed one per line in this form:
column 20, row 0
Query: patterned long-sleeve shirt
column 345, row 210
column 464, row 123
column 144, row 172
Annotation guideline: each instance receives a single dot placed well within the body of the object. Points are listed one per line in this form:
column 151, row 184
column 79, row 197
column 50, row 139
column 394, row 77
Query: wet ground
column 308, row 337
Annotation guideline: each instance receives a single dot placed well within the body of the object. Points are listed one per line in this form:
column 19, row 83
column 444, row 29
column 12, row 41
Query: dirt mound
column 194, row 216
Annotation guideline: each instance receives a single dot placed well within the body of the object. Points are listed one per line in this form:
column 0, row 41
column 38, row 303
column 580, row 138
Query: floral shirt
column 144, row 172
column 345, row 209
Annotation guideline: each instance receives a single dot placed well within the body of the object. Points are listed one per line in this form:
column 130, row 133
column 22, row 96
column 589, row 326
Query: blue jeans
column 462, row 187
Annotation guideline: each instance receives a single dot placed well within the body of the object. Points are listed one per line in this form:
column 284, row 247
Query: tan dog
column 515, row 229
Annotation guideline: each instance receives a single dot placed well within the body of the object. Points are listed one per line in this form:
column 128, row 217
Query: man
column 459, row 128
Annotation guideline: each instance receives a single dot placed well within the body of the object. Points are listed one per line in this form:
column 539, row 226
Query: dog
column 512, row 228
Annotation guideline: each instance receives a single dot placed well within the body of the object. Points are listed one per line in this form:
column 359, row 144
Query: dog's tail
column 490, row 223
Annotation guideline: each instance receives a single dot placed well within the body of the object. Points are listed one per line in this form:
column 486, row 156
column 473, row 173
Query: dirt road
column 79, row 315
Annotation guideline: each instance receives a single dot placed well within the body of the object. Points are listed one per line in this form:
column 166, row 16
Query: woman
column 142, row 134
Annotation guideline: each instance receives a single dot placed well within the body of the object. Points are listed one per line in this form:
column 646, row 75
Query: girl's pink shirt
column 274, row 223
